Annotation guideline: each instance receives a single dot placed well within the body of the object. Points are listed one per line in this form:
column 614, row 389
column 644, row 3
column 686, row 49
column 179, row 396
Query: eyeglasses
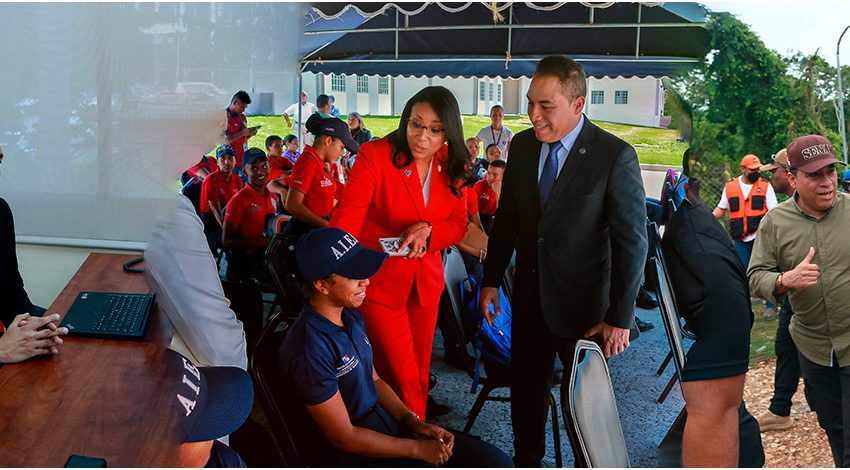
column 416, row 126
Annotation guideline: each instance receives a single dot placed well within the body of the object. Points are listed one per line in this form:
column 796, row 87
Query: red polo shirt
column 312, row 177
column 279, row 166
column 471, row 201
column 216, row 188
column 235, row 123
column 207, row 163
column 249, row 209
column 487, row 199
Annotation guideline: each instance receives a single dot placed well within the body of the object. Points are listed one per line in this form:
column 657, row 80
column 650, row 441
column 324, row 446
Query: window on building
column 499, row 93
column 491, row 92
column 337, row 82
column 597, row 97
column 482, row 91
column 621, row 97
column 362, row 84
column 383, row 85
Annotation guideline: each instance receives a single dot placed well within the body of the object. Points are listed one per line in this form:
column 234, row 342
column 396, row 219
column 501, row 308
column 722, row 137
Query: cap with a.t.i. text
column 810, row 153
column 327, row 251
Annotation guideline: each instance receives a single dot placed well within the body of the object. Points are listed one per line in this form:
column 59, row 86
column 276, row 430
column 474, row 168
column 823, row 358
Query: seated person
column 492, row 153
column 27, row 337
column 487, row 192
column 477, row 165
column 200, row 170
column 246, row 219
column 291, row 153
column 182, row 273
column 327, row 358
column 13, row 297
column 278, row 165
column 313, row 192
column 712, row 294
column 216, row 191
column 209, row 403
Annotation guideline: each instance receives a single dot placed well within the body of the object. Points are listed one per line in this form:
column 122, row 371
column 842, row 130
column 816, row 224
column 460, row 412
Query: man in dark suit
column 572, row 206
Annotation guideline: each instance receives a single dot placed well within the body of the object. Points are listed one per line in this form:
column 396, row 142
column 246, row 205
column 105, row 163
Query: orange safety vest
column 745, row 214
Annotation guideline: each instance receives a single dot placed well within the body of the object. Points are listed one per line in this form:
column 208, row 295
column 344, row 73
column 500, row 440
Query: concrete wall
column 645, row 101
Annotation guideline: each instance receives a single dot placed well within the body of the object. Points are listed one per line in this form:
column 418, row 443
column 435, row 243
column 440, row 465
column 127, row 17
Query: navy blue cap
column 327, row 251
column 334, row 127
column 252, row 155
column 211, row 402
column 223, row 150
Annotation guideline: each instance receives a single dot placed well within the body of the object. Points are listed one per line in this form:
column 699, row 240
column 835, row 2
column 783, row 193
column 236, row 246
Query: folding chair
column 590, row 409
column 669, row 316
column 496, row 376
column 280, row 264
column 297, row 436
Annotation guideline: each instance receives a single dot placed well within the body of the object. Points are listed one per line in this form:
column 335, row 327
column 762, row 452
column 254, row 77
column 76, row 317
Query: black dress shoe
column 643, row 326
column 645, row 301
column 434, row 409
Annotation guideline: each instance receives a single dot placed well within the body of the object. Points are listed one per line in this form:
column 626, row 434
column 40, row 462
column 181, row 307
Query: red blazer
column 381, row 200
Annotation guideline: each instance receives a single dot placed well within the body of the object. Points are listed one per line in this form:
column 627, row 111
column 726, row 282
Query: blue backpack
column 491, row 343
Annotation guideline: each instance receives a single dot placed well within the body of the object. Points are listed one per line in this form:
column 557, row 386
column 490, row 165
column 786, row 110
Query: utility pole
column 842, row 125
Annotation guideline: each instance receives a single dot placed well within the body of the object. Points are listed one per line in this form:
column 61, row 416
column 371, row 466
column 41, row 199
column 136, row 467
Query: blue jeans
column 745, row 252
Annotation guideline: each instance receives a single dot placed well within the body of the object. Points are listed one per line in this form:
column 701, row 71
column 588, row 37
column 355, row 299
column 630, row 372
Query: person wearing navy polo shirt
column 313, row 190
column 246, row 218
column 326, row 358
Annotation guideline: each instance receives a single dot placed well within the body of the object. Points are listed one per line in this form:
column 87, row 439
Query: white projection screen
column 104, row 105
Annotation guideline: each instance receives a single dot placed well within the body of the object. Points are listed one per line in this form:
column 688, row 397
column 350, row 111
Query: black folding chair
column 495, row 376
column 669, row 316
column 280, row 261
column 298, row 438
column 590, row 411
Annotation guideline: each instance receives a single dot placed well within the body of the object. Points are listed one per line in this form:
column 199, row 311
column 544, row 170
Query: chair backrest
column 592, row 418
column 281, row 266
column 295, row 432
column 451, row 305
column 667, row 304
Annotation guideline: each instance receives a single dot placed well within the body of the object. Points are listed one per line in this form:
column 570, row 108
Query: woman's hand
column 416, row 236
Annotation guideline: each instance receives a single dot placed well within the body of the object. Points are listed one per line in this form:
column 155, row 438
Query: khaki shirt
column 821, row 321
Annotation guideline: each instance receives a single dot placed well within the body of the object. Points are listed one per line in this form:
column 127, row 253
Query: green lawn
column 656, row 146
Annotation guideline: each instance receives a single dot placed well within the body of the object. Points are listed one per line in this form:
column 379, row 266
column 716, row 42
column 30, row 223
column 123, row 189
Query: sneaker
column 645, row 301
column 643, row 326
column 770, row 313
column 771, row 422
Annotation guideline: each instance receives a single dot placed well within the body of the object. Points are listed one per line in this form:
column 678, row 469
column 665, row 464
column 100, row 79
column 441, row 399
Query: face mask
column 753, row 177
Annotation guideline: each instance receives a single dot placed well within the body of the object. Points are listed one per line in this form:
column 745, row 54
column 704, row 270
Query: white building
column 636, row 101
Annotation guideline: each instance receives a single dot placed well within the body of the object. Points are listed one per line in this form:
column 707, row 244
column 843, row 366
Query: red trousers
column 401, row 344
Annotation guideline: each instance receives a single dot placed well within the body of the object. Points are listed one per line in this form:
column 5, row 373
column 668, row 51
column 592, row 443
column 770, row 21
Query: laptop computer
column 109, row 315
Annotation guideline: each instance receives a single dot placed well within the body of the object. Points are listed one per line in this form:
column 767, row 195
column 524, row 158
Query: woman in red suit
column 407, row 185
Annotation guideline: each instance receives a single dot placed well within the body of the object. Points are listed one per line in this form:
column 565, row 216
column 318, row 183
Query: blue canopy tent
column 502, row 39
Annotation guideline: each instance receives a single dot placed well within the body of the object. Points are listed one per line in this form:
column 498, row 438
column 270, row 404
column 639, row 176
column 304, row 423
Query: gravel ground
column 805, row 444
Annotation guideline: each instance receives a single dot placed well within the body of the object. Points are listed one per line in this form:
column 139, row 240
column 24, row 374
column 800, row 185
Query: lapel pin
column 406, row 172
column 582, row 151
column 439, row 168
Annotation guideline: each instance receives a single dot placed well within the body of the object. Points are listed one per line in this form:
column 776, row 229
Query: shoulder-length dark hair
column 443, row 102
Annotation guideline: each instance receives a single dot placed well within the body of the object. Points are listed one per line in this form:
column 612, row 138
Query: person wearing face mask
column 747, row 198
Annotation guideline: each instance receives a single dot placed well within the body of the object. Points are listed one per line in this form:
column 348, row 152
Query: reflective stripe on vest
column 745, row 214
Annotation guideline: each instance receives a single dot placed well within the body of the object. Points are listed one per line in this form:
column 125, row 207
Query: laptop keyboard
column 123, row 314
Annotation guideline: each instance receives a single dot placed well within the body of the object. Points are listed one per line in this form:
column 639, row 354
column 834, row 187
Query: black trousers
column 533, row 349
column 828, row 394
column 787, row 376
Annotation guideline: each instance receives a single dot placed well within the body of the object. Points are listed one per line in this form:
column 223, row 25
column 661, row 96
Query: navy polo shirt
column 321, row 358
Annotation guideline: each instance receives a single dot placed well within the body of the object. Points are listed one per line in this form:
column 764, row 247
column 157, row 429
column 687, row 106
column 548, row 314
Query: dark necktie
column 550, row 172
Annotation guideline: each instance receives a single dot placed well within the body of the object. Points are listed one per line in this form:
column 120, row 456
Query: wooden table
column 97, row 397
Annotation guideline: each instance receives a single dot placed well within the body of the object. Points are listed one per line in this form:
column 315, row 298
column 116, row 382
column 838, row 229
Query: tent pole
column 396, row 33
column 510, row 34
column 637, row 40
column 504, row 26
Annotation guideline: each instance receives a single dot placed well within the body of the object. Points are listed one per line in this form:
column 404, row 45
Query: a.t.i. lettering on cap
column 188, row 404
column 345, row 244
column 815, row 150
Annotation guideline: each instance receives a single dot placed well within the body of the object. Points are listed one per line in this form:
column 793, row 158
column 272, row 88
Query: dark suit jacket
column 13, row 298
column 583, row 255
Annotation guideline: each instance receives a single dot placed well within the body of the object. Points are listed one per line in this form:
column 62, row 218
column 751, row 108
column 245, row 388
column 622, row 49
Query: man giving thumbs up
column 803, row 248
